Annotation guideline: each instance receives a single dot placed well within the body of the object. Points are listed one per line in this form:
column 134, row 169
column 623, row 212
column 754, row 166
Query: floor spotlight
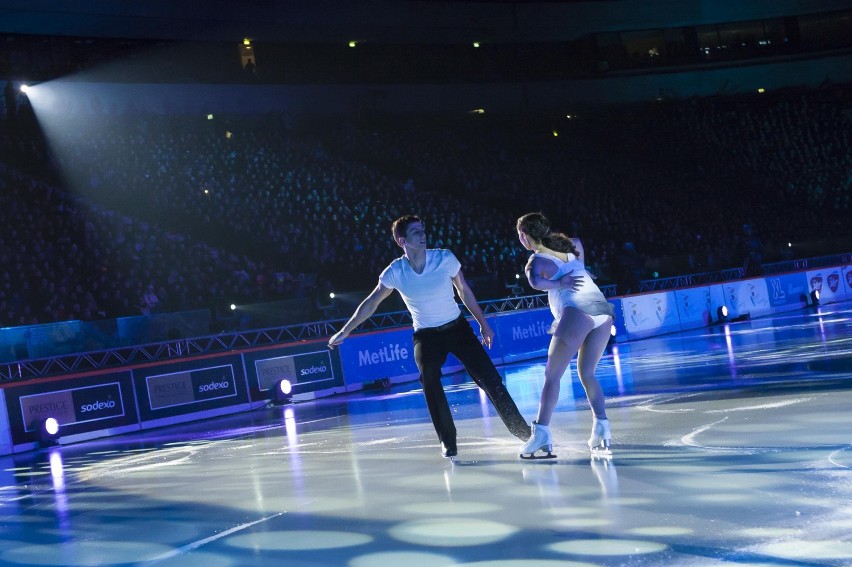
column 282, row 393
column 722, row 314
column 612, row 332
column 815, row 298
column 49, row 431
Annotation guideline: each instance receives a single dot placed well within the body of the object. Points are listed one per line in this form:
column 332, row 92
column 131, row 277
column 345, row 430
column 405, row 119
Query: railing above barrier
column 224, row 342
column 807, row 264
column 739, row 273
column 514, row 303
column 173, row 349
column 692, row 279
column 129, row 356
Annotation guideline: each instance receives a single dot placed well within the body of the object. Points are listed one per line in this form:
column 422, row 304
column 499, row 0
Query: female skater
column 582, row 321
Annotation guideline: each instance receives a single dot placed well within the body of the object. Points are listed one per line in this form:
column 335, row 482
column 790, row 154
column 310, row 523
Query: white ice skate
column 601, row 439
column 540, row 445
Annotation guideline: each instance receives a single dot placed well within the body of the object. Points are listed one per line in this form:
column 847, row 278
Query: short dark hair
column 400, row 225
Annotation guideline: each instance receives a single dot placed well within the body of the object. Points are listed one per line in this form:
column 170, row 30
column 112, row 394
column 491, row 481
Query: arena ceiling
column 302, row 21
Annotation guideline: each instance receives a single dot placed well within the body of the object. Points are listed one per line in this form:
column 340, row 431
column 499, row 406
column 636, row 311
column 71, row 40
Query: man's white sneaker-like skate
column 601, row 439
column 540, row 445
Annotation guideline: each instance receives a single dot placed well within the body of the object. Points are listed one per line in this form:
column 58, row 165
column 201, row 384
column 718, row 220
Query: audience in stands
column 153, row 214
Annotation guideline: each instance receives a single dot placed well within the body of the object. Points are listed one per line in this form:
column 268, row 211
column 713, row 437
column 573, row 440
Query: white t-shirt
column 430, row 296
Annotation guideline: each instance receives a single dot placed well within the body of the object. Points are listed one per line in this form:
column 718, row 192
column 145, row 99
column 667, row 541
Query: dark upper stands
column 157, row 213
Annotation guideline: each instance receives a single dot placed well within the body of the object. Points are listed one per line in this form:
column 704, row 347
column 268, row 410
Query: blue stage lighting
column 49, row 431
column 282, row 393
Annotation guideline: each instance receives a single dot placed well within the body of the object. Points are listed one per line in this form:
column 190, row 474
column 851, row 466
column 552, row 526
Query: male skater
column 425, row 279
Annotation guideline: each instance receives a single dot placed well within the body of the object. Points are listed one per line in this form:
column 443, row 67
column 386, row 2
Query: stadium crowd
column 143, row 214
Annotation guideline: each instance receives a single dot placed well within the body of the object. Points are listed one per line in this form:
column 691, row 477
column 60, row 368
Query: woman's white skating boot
column 539, row 441
column 601, row 438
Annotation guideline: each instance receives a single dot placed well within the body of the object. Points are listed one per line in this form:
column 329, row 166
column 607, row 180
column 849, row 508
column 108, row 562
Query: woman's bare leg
column 590, row 354
column 566, row 341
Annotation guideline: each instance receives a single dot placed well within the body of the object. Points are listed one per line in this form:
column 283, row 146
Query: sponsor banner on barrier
column 309, row 366
column 846, row 280
column 298, row 369
column 650, row 313
column 388, row 354
column 618, row 319
column 787, row 289
column 828, row 283
column 80, row 404
column 190, row 387
column 747, row 297
column 169, row 390
column 270, row 371
column 522, row 334
column 72, row 406
column 375, row 356
column 214, row 383
column 694, row 307
column 6, row 476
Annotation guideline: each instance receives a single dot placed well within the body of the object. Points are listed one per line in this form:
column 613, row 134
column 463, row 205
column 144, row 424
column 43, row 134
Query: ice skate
column 449, row 451
column 601, row 439
column 540, row 445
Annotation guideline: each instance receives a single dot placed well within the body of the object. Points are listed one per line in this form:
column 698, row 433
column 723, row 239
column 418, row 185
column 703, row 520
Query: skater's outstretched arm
column 362, row 313
column 469, row 300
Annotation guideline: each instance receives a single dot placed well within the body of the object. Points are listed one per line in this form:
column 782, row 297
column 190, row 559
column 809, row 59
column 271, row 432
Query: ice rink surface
column 732, row 446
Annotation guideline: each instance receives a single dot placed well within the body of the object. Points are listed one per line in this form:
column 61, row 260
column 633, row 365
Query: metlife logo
column 533, row 330
column 368, row 357
column 387, row 353
column 524, row 333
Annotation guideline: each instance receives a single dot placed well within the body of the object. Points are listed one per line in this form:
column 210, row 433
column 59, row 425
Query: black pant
column 431, row 347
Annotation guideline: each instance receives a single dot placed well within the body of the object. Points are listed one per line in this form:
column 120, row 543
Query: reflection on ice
column 730, row 444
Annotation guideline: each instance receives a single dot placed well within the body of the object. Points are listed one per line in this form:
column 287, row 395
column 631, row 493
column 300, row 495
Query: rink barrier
column 99, row 404
column 656, row 313
column 103, row 403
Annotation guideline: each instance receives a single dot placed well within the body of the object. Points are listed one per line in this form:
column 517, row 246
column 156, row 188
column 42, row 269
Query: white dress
column 588, row 298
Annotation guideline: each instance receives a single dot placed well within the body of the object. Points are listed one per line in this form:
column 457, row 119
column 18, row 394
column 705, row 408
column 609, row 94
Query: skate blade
column 536, row 457
column 601, row 453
